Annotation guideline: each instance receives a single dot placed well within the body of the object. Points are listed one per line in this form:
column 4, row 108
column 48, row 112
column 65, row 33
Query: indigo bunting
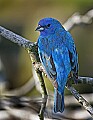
column 58, row 56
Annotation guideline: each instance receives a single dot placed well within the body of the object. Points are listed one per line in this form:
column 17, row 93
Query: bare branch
column 81, row 100
column 15, row 38
column 85, row 80
column 77, row 19
column 72, row 101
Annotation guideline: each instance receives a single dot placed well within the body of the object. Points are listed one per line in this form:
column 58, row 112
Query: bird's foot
column 40, row 67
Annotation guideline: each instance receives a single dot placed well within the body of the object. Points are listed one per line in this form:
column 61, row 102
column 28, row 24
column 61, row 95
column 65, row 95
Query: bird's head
column 48, row 26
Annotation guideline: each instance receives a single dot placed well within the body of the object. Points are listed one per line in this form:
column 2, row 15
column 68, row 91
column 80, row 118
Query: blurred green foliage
column 22, row 16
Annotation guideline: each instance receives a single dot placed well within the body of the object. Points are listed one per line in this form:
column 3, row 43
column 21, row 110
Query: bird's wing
column 48, row 64
column 62, row 64
column 72, row 54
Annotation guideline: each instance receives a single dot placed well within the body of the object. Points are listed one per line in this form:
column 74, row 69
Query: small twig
column 80, row 99
column 70, row 101
column 82, row 80
column 85, row 80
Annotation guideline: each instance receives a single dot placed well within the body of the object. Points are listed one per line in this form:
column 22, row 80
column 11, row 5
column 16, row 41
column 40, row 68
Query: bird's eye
column 48, row 25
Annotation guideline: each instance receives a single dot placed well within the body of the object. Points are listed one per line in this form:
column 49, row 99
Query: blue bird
column 58, row 56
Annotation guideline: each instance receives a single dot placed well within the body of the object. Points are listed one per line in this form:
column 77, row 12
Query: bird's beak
column 39, row 28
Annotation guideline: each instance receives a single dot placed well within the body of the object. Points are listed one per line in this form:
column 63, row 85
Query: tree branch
column 80, row 99
column 16, row 38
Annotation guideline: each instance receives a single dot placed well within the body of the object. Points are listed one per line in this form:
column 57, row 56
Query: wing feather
column 72, row 54
column 48, row 64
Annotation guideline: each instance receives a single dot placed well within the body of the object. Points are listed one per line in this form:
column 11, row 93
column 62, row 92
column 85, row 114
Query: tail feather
column 58, row 101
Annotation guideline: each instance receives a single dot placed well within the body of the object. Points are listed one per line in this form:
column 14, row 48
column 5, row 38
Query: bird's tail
column 58, row 101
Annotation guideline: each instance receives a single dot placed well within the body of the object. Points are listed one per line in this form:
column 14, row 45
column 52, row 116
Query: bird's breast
column 49, row 43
